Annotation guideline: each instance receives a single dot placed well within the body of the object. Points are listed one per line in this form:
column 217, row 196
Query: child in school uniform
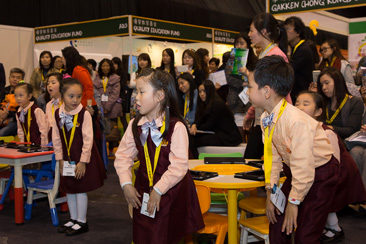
column 159, row 137
column 31, row 120
column 73, row 143
column 53, row 91
column 350, row 188
column 300, row 142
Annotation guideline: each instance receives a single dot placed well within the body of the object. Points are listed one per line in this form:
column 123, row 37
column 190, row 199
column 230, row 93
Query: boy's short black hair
column 276, row 73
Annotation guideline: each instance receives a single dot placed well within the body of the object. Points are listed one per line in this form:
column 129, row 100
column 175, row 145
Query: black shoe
column 338, row 236
column 83, row 229
column 62, row 229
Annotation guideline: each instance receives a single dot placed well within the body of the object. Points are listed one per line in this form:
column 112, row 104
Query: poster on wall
column 356, row 48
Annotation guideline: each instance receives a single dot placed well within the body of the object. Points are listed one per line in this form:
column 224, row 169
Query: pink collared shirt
column 49, row 114
column 178, row 156
column 41, row 121
column 87, row 132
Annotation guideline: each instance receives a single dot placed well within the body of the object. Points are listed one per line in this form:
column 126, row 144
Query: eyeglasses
column 324, row 49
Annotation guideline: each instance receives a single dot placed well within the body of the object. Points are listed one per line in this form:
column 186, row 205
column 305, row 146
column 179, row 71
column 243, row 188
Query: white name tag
column 69, row 168
column 104, row 98
column 278, row 199
column 244, row 96
column 144, row 211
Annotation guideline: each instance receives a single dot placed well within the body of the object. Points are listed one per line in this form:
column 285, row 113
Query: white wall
column 16, row 49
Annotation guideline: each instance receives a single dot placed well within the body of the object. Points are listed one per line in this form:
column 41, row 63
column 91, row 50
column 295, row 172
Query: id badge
column 69, row 168
column 278, row 198
column 104, row 98
column 144, row 211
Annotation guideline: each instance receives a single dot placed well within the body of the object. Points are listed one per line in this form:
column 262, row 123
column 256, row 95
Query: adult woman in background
column 212, row 115
column 37, row 79
column 168, row 61
column 57, row 63
column 117, row 63
column 203, row 58
column 189, row 58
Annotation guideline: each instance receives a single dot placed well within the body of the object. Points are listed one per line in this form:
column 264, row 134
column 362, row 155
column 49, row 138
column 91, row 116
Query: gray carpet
column 109, row 221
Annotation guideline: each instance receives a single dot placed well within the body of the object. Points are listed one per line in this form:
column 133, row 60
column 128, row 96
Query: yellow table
column 226, row 181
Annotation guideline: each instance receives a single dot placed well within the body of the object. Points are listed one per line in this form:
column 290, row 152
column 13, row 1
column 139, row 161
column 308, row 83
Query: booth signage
column 106, row 27
column 170, row 30
column 224, row 37
column 290, row 6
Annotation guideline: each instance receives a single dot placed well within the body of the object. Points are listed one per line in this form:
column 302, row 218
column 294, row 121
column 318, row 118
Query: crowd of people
column 173, row 113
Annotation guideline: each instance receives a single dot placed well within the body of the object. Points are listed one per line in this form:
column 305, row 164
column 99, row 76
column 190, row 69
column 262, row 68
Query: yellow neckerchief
column 68, row 145
column 330, row 121
column 29, row 121
column 150, row 172
column 331, row 64
column 186, row 106
column 105, row 83
column 264, row 53
column 297, row 45
column 268, row 146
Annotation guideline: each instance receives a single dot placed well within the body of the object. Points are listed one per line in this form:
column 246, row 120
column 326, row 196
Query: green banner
column 170, row 30
column 290, row 6
column 88, row 29
column 224, row 37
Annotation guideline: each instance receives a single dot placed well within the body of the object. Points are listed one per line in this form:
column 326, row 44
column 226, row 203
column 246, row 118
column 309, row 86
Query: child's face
column 143, row 63
column 72, row 97
column 147, row 99
column 327, row 85
column 241, row 43
column 202, row 93
column 53, row 86
column 46, row 60
column 14, row 79
column 305, row 102
column 22, row 97
column 58, row 63
column 106, row 68
column 166, row 58
column 256, row 96
column 212, row 66
column 188, row 60
column 183, row 85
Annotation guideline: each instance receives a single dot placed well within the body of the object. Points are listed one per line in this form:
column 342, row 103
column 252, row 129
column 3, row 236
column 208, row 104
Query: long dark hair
column 204, row 108
column 201, row 53
column 41, row 55
column 146, row 57
column 252, row 58
column 58, row 76
column 340, row 87
column 170, row 52
column 192, row 53
column 163, row 81
column 276, row 32
column 111, row 71
column 333, row 44
column 192, row 86
column 73, row 59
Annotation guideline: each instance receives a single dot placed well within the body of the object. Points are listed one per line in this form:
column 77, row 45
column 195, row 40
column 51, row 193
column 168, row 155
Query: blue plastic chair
column 48, row 187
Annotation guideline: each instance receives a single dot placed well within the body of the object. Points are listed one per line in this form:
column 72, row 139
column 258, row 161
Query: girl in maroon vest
column 350, row 188
column 164, row 197
column 81, row 166
column 31, row 120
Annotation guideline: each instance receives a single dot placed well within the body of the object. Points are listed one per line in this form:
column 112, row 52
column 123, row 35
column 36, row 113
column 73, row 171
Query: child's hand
column 132, row 195
column 247, row 124
column 271, row 209
column 80, row 170
column 61, row 164
column 244, row 70
column 290, row 222
column 363, row 128
column 193, row 130
column 154, row 201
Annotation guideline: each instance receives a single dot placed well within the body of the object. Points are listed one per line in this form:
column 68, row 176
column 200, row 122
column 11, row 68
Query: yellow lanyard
column 331, row 64
column 28, row 120
column 105, row 83
column 68, row 145
column 268, row 146
column 150, row 172
column 330, row 121
column 186, row 106
column 297, row 45
column 53, row 109
column 264, row 53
